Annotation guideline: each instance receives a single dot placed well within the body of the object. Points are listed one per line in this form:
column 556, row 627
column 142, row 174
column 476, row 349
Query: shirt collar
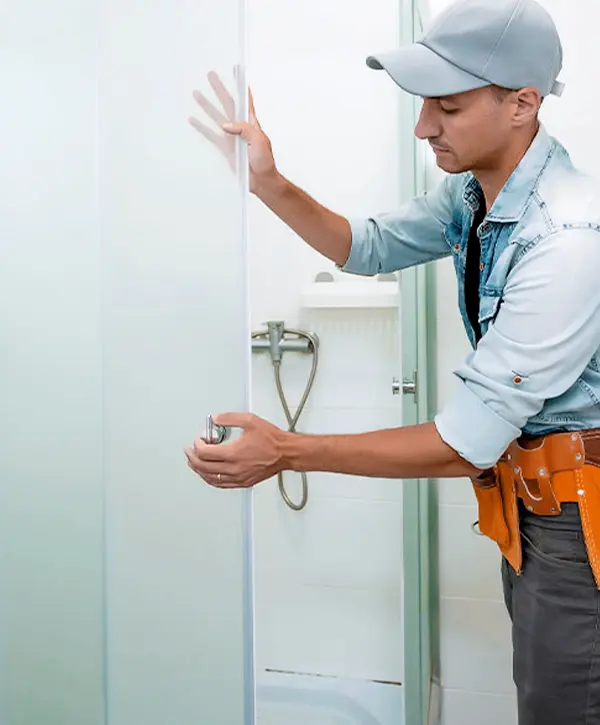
column 510, row 203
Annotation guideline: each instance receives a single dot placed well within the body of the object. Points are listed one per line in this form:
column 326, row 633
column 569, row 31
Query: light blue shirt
column 536, row 369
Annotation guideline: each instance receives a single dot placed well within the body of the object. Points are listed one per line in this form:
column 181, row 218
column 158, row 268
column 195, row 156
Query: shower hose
column 293, row 420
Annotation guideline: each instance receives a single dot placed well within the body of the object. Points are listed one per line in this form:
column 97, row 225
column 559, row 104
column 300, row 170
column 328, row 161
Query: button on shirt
column 536, row 367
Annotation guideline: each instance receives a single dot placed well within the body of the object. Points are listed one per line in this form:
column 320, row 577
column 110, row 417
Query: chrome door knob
column 214, row 433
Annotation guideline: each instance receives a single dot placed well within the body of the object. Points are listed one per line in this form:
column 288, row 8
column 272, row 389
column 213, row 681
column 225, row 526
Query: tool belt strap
column 544, row 472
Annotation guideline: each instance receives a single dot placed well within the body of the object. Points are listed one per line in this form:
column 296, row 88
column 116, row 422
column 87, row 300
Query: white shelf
column 368, row 293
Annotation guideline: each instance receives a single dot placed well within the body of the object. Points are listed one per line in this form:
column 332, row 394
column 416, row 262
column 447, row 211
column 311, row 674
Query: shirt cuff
column 356, row 262
column 474, row 430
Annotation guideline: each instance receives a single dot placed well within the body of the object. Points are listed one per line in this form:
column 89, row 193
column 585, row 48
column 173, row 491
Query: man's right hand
column 261, row 162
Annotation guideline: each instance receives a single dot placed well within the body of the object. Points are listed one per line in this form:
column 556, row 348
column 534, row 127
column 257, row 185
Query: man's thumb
column 238, row 129
column 234, row 420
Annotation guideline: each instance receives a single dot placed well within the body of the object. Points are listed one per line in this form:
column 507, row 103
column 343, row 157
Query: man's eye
column 449, row 110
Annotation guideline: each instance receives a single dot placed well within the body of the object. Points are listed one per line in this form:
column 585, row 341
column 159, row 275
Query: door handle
column 407, row 387
column 214, row 433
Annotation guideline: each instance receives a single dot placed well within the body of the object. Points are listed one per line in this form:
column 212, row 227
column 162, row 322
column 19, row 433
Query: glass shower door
column 51, row 553
column 176, row 347
column 124, row 578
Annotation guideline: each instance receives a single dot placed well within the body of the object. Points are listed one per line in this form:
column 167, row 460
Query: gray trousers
column 554, row 607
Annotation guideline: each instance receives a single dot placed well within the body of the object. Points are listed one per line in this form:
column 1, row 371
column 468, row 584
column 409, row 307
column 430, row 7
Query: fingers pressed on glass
column 210, row 110
column 223, row 95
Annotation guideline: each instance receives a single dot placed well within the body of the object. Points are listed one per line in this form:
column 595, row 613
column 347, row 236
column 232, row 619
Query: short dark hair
column 499, row 92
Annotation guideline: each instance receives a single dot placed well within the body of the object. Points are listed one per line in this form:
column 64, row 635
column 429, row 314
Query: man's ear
column 527, row 104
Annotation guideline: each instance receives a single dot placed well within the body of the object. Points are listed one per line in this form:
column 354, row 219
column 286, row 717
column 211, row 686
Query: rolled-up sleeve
column 412, row 235
column 544, row 335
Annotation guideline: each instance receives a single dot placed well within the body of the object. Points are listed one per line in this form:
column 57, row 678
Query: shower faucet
column 275, row 342
column 275, row 333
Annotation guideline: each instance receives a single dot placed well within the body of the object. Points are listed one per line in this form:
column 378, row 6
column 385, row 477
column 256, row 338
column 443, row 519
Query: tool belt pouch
column 542, row 476
column 492, row 522
column 588, row 492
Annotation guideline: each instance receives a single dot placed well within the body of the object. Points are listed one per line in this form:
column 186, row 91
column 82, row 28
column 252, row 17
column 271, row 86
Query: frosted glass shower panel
column 50, row 368
column 175, row 349
column 123, row 576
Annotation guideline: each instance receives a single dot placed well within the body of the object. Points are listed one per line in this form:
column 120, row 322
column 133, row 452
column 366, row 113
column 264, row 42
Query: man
column 523, row 228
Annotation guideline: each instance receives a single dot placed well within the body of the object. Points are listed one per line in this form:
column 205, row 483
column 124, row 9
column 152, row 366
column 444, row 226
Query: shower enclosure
column 122, row 280
column 126, row 583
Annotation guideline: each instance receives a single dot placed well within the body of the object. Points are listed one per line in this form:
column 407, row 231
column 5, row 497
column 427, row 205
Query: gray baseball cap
column 475, row 43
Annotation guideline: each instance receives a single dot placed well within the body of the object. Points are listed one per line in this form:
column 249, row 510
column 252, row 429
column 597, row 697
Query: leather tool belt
column 544, row 472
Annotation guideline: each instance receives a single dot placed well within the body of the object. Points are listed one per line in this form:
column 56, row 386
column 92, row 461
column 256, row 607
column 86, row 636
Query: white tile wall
column 335, row 631
column 322, row 598
column 333, row 124
column 359, row 551
column 469, row 563
column 475, row 645
column 329, row 579
column 462, row 707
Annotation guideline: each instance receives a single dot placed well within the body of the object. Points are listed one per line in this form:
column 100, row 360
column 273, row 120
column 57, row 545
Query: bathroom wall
column 475, row 630
column 328, row 579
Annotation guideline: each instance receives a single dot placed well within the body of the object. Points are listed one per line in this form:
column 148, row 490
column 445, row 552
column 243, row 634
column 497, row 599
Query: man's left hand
column 254, row 457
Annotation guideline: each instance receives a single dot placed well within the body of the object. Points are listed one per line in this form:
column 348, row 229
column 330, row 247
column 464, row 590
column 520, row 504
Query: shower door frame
column 418, row 354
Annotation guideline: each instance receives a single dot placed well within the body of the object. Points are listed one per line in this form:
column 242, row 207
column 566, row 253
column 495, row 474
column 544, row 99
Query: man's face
column 467, row 131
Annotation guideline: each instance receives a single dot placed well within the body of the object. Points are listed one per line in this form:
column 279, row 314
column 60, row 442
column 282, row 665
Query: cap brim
column 421, row 72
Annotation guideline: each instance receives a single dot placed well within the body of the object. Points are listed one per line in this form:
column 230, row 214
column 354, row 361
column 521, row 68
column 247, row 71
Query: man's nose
column 427, row 125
